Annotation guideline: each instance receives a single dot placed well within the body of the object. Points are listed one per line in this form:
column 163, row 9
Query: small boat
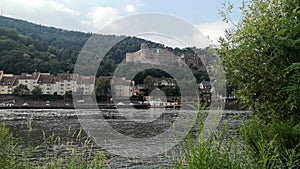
column 161, row 104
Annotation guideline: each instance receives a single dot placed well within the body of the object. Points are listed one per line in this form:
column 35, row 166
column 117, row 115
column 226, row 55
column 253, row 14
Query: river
column 59, row 130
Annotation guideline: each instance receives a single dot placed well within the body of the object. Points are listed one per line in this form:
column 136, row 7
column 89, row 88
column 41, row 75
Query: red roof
column 35, row 75
column 68, row 77
column 11, row 81
column 86, row 79
column 46, row 79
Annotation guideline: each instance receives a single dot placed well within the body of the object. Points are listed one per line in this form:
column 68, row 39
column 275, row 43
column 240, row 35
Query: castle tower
column 144, row 47
column 143, row 52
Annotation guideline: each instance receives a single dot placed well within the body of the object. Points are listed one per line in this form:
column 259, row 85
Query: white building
column 65, row 82
column 7, row 83
column 59, row 84
column 122, row 87
column 86, row 83
column 29, row 80
column 45, row 82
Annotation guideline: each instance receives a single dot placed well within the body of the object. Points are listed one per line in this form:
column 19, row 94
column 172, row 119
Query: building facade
column 48, row 83
column 121, row 87
column 86, row 84
column 8, row 82
column 65, row 82
column 45, row 82
column 29, row 80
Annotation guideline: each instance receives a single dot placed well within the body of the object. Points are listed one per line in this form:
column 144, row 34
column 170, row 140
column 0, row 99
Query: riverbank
column 23, row 102
column 71, row 106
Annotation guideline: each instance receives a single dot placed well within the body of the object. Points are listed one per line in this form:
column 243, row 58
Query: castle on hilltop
column 151, row 56
column 157, row 56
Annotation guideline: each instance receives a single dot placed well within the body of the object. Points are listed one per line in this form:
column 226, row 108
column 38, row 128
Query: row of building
column 49, row 83
column 126, row 88
column 62, row 83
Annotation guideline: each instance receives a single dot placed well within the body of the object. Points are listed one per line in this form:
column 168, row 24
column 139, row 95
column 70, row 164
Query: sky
column 91, row 15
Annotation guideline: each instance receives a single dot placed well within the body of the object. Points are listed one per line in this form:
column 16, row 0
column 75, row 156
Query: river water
column 58, row 131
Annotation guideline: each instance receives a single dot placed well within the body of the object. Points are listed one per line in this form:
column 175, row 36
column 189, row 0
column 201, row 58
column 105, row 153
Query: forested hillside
column 50, row 36
column 29, row 47
column 26, row 47
column 20, row 53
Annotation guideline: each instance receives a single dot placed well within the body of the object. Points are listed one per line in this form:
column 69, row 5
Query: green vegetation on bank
column 261, row 56
column 14, row 155
column 261, row 59
column 220, row 151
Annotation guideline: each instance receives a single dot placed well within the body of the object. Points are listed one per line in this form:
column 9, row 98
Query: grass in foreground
column 249, row 150
column 15, row 156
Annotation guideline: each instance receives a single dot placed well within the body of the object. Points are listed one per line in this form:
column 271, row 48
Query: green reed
column 13, row 155
column 217, row 151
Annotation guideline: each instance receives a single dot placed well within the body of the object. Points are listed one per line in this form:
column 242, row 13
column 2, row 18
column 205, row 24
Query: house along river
column 58, row 131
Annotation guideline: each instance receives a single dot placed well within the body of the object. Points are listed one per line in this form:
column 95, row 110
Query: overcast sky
column 89, row 16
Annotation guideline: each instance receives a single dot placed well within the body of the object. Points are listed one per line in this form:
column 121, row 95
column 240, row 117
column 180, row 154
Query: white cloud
column 45, row 12
column 214, row 30
column 101, row 16
column 47, row 6
column 163, row 39
column 130, row 8
column 62, row 8
column 87, row 16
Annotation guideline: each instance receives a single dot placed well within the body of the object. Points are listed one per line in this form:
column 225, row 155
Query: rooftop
column 46, row 78
column 86, row 79
column 68, row 77
column 32, row 76
column 121, row 81
column 8, row 80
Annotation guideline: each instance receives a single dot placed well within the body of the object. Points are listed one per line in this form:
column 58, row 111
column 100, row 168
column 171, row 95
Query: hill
column 20, row 53
column 26, row 47
column 59, row 38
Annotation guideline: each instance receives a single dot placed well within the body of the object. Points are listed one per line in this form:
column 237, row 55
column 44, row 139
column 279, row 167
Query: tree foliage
column 36, row 91
column 149, row 83
column 20, row 53
column 103, row 87
column 171, row 90
column 262, row 55
column 21, row 90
